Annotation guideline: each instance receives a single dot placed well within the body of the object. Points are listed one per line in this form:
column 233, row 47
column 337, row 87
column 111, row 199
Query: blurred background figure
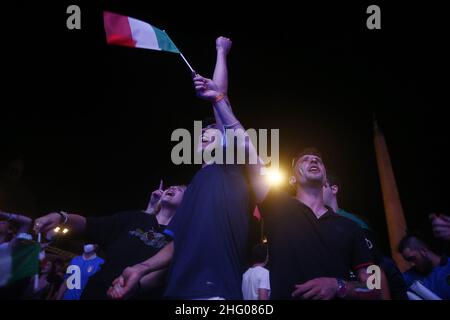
column 256, row 280
column 441, row 226
column 14, row 277
column 428, row 267
column 127, row 238
column 56, row 277
column 45, row 287
column 13, row 226
column 88, row 263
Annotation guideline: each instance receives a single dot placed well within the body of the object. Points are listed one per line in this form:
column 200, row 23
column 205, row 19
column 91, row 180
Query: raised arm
column 220, row 77
column 208, row 90
column 24, row 222
column 75, row 222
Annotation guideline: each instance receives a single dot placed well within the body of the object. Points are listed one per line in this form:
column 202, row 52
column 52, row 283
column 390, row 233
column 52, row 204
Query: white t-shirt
column 253, row 279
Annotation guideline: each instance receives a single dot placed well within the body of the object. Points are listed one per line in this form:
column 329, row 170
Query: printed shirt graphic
column 87, row 268
column 127, row 238
column 152, row 237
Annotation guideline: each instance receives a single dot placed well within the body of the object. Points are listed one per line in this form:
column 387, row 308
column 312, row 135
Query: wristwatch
column 342, row 288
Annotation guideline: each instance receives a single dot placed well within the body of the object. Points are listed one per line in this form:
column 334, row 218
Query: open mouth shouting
column 314, row 169
column 170, row 193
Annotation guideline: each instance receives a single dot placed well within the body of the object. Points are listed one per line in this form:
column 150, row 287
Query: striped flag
column 19, row 262
column 126, row 31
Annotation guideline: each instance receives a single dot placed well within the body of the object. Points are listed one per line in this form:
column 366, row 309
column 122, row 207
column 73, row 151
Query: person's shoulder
column 358, row 219
column 280, row 196
column 247, row 272
column 100, row 260
column 233, row 171
column 129, row 215
column 263, row 270
column 346, row 222
column 410, row 274
column 277, row 200
column 147, row 220
column 76, row 259
column 445, row 264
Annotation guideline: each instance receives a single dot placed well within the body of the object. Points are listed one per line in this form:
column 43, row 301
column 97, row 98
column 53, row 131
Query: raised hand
column 223, row 45
column 46, row 223
column 205, row 88
column 155, row 197
column 441, row 226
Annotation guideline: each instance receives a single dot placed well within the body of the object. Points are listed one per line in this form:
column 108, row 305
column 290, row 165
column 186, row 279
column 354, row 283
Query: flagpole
column 192, row 70
column 36, row 276
column 182, row 56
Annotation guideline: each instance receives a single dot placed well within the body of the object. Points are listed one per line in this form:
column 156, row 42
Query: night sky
column 91, row 123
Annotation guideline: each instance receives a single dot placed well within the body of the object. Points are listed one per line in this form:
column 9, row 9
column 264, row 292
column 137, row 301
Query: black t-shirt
column 127, row 238
column 397, row 285
column 302, row 247
column 210, row 231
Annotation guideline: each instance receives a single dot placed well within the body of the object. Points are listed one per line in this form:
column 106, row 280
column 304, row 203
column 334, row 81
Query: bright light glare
column 274, row 177
column 65, row 230
column 57, row 229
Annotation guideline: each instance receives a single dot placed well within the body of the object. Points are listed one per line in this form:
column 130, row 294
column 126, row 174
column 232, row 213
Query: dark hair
column 412, row 241
column 259, row 253
column 307, row 151
column 333, row 179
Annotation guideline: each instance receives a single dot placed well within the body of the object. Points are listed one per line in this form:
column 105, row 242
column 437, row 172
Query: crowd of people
column 191, row 242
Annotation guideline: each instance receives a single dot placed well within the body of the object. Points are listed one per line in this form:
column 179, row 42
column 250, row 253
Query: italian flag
column 126, row 31
column 19, row 262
